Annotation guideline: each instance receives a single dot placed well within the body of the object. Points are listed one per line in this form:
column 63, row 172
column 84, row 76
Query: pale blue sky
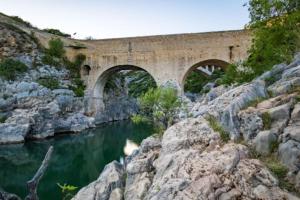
column 123, row 18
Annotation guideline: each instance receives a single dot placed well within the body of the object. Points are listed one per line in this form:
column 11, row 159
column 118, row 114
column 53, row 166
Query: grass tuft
column 267, row 121
column 215, row 125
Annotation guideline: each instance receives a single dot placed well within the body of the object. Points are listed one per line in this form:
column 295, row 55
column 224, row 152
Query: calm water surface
column 76, row 160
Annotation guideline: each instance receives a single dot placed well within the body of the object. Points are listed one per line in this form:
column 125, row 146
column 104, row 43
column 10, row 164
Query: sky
column 125, row 18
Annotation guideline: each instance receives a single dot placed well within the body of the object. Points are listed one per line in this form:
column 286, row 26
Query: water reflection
column 130, row 147
column 76, row 160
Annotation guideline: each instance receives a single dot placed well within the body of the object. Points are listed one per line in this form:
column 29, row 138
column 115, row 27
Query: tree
column 160, row 105
column 276, row 37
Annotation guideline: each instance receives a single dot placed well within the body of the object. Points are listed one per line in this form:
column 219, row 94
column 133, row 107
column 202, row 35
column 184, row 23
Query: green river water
column 77, row 159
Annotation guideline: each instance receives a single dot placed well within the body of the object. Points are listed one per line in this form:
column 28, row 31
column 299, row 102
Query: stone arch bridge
column 167, row 58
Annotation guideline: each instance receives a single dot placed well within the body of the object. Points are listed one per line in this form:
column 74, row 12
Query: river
column 77, row 159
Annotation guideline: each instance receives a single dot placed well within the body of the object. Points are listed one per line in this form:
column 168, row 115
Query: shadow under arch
column 210, row 62
column 98, row 89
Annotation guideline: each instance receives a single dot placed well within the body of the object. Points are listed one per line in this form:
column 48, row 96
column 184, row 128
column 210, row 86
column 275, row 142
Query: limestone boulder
column 13, row 132
column 109, row 185
column 73, row 123
column 289, row 154
column 264, row 142
column 43, row 121
column 140, row 168
column 290, row 79
column 201, row 168
column 227, row 106
column 251, row 123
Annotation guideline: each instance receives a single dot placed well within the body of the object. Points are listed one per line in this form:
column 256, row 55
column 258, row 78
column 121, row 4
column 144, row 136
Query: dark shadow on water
column 77, row 159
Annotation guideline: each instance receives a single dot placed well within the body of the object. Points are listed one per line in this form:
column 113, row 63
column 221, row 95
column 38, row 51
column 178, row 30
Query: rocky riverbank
column 39, row 102
column 31, row 105
column 194, row 160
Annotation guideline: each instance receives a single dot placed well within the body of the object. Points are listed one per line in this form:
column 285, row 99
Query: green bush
column 56, row 32
column 74, row 66
column 18, row 19
column 195, row 81
column 55, row 53
column 52, row 61
column 78, row 87
column 276, row 29
column 9, row 69
column 49, row 82
column 56, row 48
column 2, row 119
column 160, row 104
column 138, row 119
column 216, row 126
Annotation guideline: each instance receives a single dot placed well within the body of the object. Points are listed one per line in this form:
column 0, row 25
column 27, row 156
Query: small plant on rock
column 215, row 125
column 2, row 119
column 267, row 121
column 49, row 82
column 10, row 69
column 78, row 87
column 67, row 191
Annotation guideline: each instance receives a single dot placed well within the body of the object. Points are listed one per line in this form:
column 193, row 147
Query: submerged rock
column 7, row 196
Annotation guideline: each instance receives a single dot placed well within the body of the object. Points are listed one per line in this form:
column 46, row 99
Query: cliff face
column 193, row 160
column 30, row 109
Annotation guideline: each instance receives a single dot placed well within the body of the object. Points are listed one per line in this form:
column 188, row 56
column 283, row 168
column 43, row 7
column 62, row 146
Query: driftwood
column 33, row 183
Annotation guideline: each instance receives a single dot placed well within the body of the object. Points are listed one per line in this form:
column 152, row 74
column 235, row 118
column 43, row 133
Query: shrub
column 55, row 53
column 56, row 48
column 160, row 104
column 138, row 119
column 49, row 60
column 56, row 32
column 215, row 125
column 2, row 119
column 279, row 20
column 10, row 68
column 195, row 81
column 74, row 66
column 267, row 121
column 49, row 82
column 78, row 87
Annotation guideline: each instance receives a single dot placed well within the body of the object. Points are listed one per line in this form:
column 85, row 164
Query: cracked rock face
column 227, row 106
column 109, row 185
column 191, row 162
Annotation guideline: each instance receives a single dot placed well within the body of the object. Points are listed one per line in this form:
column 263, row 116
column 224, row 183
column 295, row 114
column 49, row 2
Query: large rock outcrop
column 191, row 162
column 227, row 106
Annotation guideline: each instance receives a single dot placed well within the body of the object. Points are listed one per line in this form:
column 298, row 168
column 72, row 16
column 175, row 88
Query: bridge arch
column 205, row 67
column 97, row 93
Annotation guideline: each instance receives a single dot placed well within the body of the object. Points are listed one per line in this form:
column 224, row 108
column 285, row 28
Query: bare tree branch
column 33, row 183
